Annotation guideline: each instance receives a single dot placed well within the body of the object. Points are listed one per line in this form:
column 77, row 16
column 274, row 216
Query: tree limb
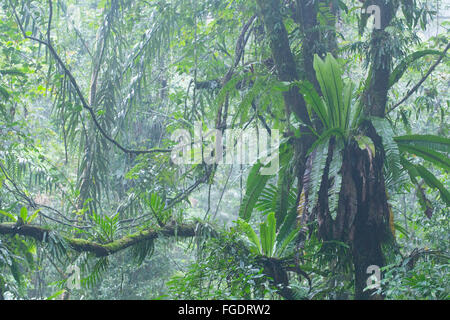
column 77, row 87
column 101, row 250
column 425, row 77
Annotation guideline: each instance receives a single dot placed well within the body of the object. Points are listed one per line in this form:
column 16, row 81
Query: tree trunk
column 362, row 219
column 368, row 224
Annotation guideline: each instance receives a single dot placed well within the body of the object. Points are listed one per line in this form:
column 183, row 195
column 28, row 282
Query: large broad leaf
column 282, row 245
column 434, row 182
column 413, row 174
column 435, row 143
column 24, row 213
column 268, row 235
column 347, row 105
column 287, row 225
column 272, row 228
column 434, row 157
column 284, row 197
column 267, row 200
column 329, row 76
column 255, row 185
column 9, row 215
column 403, row 66
column 314, row 102
column 335, row 109
column 251, row 235
column 270, row 198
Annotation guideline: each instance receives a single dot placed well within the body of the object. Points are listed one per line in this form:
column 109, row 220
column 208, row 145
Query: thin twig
column 78, row 90
column 425, row 77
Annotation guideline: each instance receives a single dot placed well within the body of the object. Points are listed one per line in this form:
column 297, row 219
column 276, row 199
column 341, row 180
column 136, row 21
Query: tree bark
column 41, row 234
column 283, row 57
column 371, row 226
column 367, row 221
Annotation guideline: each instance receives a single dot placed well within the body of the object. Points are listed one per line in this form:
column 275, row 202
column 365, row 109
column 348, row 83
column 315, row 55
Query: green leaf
column 272, row 231
column 268, row 235
column 255, row 185
column 347, row 106
column 15, row 271
column 335, row 167
column 9, row 215
column 4, row 92
column 247, row 101
column 365, row 142
column 434, row 157
column 14, row 72
column 398, row 72
column 284, row 197
column 401, row 229
column 314, row 178
column 434, row 182
column 263, row 233
column 314, row 101
column 329, row 76
column 24, row 213
column 436, row 143
column 228, row 88
column 287, row 241
column 288, row 224
column 251, row 235
column 33, row 216
column 392, row 163
column 55, row 295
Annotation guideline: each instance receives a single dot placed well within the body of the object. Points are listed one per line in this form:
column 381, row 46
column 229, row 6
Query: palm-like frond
column 314, row 177
column 329, row 76
column 433, row 149
column 335, row 109
column 335, row 175
column 433, row 142
column 432, row 156
column 269, row 243
column 405, row 63
column 255, row 185
column 393, row 168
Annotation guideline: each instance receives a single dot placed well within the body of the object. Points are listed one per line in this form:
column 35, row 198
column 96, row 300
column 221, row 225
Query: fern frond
column 334, row 173
column 142, row 250
column 319, row 159
column 434, row 182
column 436, row 143
column 94, row 276
column 434, row 157
column 392, row 152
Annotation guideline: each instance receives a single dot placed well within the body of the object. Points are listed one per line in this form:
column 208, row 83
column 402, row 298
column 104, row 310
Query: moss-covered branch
column 100, row 250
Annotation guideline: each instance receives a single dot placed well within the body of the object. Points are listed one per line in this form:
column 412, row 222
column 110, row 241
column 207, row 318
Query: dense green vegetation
column 94, row 94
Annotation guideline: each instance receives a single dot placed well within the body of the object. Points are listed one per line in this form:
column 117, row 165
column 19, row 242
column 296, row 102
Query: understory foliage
column 93, row 206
